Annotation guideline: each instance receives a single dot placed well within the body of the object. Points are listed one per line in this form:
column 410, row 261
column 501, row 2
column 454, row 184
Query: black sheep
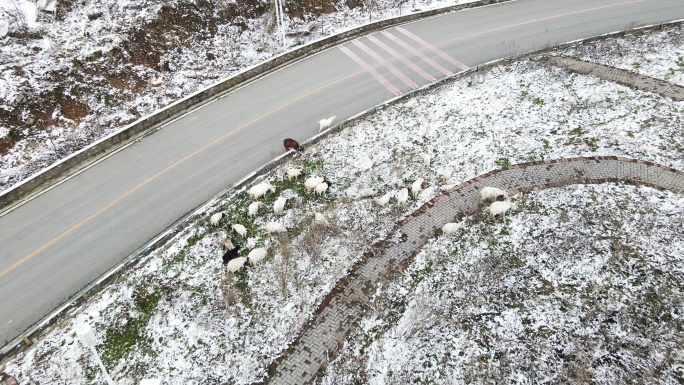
column 230, row 254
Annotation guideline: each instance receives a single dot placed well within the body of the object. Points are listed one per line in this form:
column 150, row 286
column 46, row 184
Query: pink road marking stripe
column 418, row 53
column 403, row 59
column 372, row 71
column 387, row 65
column 432, row 48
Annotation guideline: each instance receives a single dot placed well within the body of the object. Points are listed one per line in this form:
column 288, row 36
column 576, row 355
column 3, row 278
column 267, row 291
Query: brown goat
column 291, row 144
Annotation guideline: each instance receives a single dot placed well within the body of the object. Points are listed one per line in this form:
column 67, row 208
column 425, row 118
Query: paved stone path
column 621, row 76
column 343, row 308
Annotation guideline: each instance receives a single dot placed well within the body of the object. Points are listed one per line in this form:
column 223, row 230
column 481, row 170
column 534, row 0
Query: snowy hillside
column 578, row 283
column 582, row 284
column 74, row 71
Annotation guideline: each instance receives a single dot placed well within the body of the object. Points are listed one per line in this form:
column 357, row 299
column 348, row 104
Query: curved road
column 54, row 245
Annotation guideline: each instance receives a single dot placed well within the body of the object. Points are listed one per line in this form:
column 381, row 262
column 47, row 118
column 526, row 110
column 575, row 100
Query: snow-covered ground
column 73, row 72
column 180, row 317
column 581, row 284
column 660, row 55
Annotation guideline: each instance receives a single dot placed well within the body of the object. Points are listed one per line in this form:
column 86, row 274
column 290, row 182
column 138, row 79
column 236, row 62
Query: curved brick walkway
column 343, row 307
column 621, row 76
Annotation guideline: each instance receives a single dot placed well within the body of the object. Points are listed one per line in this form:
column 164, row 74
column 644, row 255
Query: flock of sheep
column 318, row 185
column 498, row 206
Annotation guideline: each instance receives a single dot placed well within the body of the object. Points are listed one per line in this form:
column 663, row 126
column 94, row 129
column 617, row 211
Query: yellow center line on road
column 215, row 141
column 543, row 19
column 165, row 170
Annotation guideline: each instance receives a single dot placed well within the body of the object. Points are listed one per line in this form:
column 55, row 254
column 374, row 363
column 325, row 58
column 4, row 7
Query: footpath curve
column 321, row 339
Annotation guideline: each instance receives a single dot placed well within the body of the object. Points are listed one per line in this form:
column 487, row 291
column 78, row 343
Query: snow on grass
column 580, row 284
column 179, row 316
column 521, row 112
column 657, row 54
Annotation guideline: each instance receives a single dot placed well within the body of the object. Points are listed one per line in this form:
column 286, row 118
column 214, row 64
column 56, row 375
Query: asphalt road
column 56, row 244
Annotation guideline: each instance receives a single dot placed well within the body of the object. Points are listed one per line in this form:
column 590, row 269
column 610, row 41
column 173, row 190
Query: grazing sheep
column 279, row 205
column 321, row 188
column 293, row 173
column 418, row 185
column 312, row 182
column 253, row 208
column 402, row 196
column 257, row 255
column 325, row 123
column 230, row 254
column 260, row 190
column 383, row 199
column 426, row 159
column 492, row 194
column 227, row 245
column 291, row 144
column 236, row 264
column 320, row 219
column 274, row 227
column 446, row 174
column 240, row 229
column 216, row 219
column 368, row 192
column 451, row 228
column 500, row 207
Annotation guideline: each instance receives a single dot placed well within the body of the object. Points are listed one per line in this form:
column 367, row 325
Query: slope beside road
column 57, row 243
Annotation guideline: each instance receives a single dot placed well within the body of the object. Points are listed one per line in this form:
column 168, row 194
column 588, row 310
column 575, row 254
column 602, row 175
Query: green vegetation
column 121, row 340
column 525, row 95
column 503, row 162
column 312, row 166
column 576, row 137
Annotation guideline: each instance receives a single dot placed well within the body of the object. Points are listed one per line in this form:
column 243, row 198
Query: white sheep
column 240, row 229
column 216, row 219
column 260, row 190
column 325, row 123
column 426, row 159
column 418, row 185
column 500, row 207
column 236, row 264
column 383, row 199
column 227, row 244
column 450, row 228
column 321, row 188
column 274, row 227
column 320, row 219
column 368, row 192
column 312, row 182
column 293, row 173
column 253, row 208
column 279, row 205
column 402, row 196
column 492, row 194
column 257, row 255
column 446, row 174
